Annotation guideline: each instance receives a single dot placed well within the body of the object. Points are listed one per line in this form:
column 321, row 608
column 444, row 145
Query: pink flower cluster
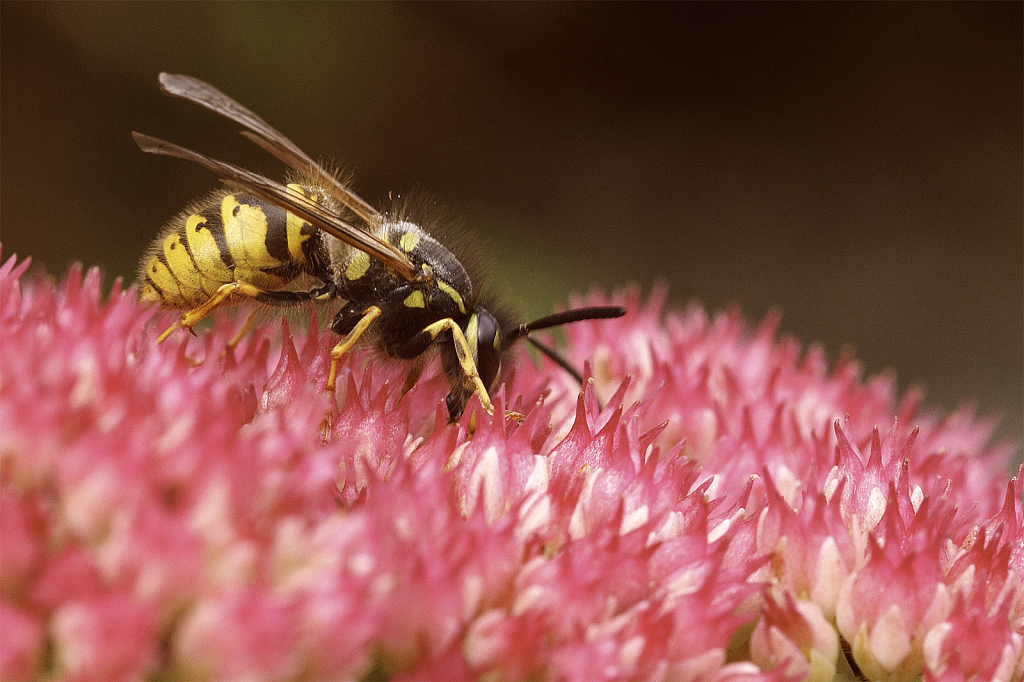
column 717, row 504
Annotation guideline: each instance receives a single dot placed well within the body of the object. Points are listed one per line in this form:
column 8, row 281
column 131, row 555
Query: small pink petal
column 21, row 647
column 110, row 637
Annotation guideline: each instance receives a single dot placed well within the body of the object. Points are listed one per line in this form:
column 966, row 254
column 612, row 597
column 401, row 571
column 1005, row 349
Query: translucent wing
column 204, row 94
column 293, row 202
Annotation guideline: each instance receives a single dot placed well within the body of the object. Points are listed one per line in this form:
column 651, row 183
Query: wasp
column 399, row 288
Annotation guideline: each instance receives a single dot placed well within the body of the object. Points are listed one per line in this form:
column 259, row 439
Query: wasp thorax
column 423, row 249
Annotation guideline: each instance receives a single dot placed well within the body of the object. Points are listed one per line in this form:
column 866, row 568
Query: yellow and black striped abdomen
column 229, row 237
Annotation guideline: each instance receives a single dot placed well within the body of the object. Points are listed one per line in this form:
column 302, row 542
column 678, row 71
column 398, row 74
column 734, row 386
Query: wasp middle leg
column 352, row 324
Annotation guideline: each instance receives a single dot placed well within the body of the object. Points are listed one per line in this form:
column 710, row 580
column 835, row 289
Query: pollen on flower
column 716, row 503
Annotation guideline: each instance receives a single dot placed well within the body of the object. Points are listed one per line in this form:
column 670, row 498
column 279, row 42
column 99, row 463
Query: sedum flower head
column 715, row 504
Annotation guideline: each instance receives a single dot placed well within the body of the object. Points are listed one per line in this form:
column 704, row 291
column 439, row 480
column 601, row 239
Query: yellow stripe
column 358, row 266
column 472, row 332
column 295, row 225
column 304, row 192
column 259, row 278
column 205, row 253
column 408, row 241
column 296, row 238
column 190, row 280
column 245, row 230
column 446, row 288
column 150, row 293
column 415, row 300
column 163, row 279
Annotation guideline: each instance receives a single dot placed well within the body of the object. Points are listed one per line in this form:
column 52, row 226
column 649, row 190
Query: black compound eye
column 488, row 348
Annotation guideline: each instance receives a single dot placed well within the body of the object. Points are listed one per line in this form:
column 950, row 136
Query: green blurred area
column 857, row 165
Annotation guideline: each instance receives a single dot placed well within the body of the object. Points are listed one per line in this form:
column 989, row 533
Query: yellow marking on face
column 497, row 341
column 472, row 332
column 448, row 289
column 245, row 231
column 163, row 279
column 415, row 300
column 190, row 280
column 206, row 253
column 408, row 241
column 358, row 266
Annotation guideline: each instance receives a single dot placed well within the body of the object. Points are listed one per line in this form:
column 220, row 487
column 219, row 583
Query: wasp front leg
column 419, row 343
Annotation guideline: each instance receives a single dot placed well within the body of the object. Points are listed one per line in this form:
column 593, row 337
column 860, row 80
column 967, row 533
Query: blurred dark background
column 857, row 165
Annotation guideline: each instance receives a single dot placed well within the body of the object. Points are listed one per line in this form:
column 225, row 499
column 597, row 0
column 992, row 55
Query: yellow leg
column 345, row 345
column 192, row 317
column 237, row 338
column 465, row 354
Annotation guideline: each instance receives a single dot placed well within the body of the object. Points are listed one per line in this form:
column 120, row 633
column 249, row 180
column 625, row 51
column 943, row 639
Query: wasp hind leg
column 272, row 297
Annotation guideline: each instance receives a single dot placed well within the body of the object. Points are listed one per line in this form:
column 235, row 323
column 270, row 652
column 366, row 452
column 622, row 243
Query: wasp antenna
column 565, row 317
column 556, row 358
